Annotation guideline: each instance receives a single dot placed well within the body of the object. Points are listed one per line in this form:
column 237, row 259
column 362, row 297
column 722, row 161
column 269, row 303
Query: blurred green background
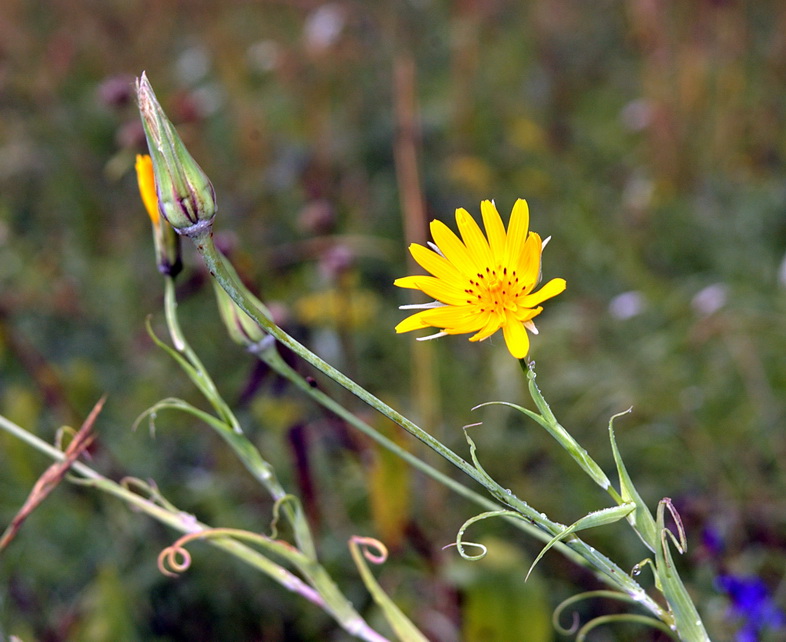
column 648, row 138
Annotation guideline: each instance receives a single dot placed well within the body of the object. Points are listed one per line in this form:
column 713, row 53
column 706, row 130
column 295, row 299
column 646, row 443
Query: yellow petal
column 147, row 187
column 517, row 232
column 410, row 282
column 528, row 264
column 436, row 288
column 476, row 243
column 516, row 338
column 439, row 266
column 492, row 325
column 495, row 230
column 414, row 322
column 549, row 290
column 453, row 249
column 453, row 319
column 527, row 314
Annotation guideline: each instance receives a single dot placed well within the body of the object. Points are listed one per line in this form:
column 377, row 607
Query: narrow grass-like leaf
column 640, row 519
column 562, row 436
column 597, row 518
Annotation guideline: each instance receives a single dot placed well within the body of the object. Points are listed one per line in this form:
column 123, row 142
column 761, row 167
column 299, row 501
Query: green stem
column 203, row 380
column 273, row 359
column 613, row 574
column 231, row 431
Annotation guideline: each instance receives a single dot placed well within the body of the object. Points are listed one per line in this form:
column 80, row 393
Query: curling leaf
column 399, row 622
column 686, row 618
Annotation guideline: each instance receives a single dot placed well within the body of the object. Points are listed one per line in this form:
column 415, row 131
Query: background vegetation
column 648, row 138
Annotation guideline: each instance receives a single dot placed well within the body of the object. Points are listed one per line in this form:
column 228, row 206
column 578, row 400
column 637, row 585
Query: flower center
column 495, row 290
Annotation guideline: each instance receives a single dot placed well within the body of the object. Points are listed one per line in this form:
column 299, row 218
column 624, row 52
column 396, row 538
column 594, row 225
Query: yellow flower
column 147, row 187
column 167, row 242
column 481, row 284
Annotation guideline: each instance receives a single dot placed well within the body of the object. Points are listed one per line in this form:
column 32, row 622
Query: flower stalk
column 608, row 570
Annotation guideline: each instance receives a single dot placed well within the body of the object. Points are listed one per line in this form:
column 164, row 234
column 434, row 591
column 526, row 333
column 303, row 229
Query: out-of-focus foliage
column 649, row 139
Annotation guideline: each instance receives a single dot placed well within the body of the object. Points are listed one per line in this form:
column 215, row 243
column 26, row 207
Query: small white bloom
column 709, row 300
column 627, row 305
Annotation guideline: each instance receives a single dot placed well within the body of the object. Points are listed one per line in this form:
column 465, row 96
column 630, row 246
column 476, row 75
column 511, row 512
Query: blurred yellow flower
column 346, row 308
column 526, row 134
column 147, row 187
column 470, row 172
column 481, row 284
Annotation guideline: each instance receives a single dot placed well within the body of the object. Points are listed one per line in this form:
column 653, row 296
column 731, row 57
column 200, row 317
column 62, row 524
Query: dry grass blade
column 54, row 474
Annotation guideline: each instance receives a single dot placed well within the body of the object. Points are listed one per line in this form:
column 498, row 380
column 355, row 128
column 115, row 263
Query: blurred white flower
column 637, row 115
column 782, row 273
column 638, row 193
column 263, row 56
column 193, row 65
column 710, row 299
column 208, row 99
column 627, row 305
column 323, row 26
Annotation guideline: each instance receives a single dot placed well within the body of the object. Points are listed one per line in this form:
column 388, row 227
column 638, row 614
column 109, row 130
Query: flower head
column 167, row 242
column 481, row 283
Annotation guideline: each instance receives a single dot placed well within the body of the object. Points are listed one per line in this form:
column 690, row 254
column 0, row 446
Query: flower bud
column 242, row 328
column 185, row 195
column 167, row 243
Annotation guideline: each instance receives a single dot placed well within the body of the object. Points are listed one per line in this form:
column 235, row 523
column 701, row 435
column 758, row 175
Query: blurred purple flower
column 752, row 604
column 712, row 542
column 116, row 91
